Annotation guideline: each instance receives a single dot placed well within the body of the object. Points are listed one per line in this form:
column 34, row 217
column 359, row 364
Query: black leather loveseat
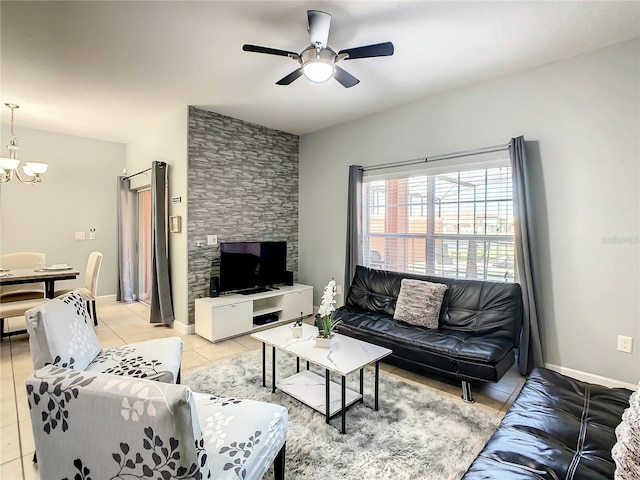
column 557, row 427
column 479, row 325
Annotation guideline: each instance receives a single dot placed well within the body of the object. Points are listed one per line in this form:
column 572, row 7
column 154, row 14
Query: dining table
column 47, row 275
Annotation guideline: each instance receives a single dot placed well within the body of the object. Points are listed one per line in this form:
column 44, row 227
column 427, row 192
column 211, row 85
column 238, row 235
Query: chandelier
column 9, row 165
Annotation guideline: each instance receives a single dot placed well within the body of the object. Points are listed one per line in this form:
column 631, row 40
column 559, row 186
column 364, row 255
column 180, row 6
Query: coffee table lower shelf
column 310, row 388
column 346, row 356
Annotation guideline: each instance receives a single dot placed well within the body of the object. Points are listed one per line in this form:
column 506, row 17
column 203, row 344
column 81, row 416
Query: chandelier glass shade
column 9, row 165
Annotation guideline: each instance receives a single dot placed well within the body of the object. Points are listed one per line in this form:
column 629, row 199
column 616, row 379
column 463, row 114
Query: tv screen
column 248, row 265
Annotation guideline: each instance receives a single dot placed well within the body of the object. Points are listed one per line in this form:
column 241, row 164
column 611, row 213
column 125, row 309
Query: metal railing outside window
column 454, row 224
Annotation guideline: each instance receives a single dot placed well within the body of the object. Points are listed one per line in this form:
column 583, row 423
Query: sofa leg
column 278, row 463
column 466, row 392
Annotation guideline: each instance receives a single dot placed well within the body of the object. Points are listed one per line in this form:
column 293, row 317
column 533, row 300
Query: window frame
column 502, row 243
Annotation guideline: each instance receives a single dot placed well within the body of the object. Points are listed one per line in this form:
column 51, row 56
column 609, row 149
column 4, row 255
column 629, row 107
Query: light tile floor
column 120, row 324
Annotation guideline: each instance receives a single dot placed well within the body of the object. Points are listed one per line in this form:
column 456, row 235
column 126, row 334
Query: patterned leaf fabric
column 157, row 359
column 61, row 333
column 246, row 435
column 97, row 425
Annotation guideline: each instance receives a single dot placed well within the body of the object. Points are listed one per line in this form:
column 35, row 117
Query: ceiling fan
column 318, row 61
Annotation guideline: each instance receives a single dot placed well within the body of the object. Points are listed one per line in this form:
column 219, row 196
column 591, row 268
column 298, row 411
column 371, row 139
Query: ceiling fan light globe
column 318, row 71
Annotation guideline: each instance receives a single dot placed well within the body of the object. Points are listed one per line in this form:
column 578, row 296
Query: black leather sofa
column 557, row 427
column 479, row 325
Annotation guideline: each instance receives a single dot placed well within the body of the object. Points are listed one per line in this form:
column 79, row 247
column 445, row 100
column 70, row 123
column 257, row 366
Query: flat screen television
column 250, row 265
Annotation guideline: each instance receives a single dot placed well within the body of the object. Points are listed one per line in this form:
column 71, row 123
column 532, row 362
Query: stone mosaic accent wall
column 242, row 186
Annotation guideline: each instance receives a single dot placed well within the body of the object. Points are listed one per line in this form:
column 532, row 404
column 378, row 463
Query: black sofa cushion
column 557, row 428
column 444, row 351
column 479, row 325
column 452, row 343
column 472, row 306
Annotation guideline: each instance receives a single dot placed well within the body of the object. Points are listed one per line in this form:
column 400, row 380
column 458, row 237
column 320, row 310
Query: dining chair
column 16, row 308
column 15, row 300
column 22, row 261
column 90, row 289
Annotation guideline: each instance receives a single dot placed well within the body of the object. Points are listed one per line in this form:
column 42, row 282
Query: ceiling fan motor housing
column 318, row 64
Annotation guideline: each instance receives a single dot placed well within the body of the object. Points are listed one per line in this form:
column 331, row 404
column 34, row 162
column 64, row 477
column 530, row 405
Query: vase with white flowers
column 325, row 321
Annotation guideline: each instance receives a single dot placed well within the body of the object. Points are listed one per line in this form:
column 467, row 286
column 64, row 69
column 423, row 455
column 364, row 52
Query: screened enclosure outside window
column 454, row 224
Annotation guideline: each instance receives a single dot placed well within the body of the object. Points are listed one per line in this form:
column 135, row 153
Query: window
column 456, row 223
column 376, row 198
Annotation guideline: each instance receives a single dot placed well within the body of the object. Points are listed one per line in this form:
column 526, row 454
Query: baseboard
column 107, row 297
column 184, row 329
column 590, row 377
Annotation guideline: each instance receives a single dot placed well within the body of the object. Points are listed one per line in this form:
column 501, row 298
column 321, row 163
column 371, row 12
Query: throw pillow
column 626, row 451
column 419, row 302
column 63, row 332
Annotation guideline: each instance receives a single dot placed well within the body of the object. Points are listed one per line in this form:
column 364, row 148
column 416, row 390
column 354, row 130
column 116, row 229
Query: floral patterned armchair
column 95, row 425
column 61, row 333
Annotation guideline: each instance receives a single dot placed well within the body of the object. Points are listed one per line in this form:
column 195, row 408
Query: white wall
column 166, row 140
column 584, row 116
column 77, row 193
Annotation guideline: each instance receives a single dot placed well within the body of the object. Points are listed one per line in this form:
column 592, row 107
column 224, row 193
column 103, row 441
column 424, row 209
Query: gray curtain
column 161, row 304
column 530, row 348
column 354, row 225
column 125, row 240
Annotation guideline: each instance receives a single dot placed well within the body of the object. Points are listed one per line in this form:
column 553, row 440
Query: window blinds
column 451, row 218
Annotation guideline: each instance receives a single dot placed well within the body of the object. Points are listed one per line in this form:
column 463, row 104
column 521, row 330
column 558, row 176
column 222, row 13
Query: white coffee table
column 345, row 356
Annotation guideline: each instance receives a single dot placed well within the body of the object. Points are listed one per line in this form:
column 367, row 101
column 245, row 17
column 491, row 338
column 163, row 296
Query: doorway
column 143, row 246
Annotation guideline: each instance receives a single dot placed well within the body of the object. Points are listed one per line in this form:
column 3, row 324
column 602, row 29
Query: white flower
column 328, row 302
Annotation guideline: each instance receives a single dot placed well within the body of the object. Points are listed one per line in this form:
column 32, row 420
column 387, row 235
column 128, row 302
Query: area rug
column 416, row 434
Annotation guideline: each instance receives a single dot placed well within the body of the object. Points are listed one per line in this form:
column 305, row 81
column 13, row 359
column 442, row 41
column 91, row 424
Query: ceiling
column 108, row 69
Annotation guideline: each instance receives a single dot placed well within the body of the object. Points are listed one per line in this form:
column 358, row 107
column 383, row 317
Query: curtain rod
column 435, row 158
column 134, row 174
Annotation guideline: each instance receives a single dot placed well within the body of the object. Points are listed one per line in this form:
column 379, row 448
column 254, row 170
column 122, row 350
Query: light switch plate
column 625, row 344
column 212, row 239
column 80, row 236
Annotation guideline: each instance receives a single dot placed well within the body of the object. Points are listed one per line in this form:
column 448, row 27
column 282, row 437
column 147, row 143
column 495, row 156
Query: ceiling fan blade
column 290, row 78
column 267, row 50
column 345, row 78
column 319, row 24
column 377, row 50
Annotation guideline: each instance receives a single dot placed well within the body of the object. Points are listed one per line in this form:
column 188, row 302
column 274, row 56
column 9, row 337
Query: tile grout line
column 15, row 397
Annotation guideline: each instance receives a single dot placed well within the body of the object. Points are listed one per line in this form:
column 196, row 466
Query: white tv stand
column 229, row 316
